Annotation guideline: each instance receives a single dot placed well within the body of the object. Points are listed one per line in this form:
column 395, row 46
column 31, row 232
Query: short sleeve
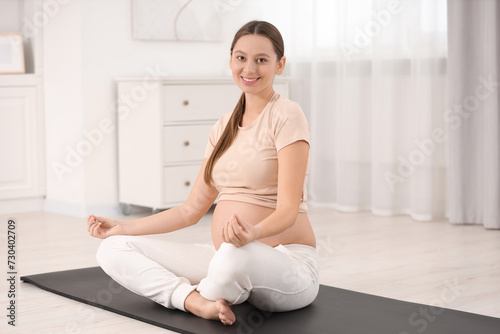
column 215, row 134
column 290, row 125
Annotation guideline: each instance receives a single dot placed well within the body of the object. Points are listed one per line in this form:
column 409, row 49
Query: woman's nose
column 250, row 68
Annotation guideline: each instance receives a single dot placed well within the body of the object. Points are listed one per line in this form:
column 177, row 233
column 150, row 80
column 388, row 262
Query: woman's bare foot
column 207, row 309
column 226, row 314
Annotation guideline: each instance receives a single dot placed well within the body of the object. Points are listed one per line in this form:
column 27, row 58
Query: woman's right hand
column 101, row 227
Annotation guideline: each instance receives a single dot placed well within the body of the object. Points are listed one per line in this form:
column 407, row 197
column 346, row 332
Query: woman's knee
column 231, row 257
column 227, row 276
column 109, row 247
column 230, row 264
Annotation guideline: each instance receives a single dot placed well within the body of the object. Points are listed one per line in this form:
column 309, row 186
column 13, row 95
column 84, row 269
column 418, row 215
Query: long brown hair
column 262, row 28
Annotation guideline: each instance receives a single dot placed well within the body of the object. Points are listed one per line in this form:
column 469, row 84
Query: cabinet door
column 185, row 143
column 178, row 183
column 19, row 164
column 198, row 102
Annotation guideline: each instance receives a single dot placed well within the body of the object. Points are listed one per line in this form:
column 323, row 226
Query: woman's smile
column 250, row 81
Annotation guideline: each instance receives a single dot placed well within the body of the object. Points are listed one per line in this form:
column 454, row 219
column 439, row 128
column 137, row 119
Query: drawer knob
column 186, row 143
column 186, row 102
column 187, row 183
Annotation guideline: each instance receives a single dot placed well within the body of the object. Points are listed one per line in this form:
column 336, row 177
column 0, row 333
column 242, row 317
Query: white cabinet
column 163, row 128
column 19, row 141
column 22, row 155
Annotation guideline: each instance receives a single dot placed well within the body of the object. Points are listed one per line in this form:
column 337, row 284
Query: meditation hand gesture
column 238, row 233
column 100, row 227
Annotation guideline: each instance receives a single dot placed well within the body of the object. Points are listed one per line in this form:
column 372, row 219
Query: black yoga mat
column 334, row 311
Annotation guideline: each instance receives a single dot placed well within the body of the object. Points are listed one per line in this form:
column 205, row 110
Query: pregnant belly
column 300, row 233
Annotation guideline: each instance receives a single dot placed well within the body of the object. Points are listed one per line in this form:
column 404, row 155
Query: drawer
column 185, row 142
column 198, row 102
column 178, row 182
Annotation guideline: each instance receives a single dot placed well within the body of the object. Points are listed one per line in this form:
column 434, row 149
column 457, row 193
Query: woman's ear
column 281, row 66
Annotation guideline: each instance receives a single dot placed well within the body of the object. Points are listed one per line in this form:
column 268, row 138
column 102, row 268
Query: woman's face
column 254, row 64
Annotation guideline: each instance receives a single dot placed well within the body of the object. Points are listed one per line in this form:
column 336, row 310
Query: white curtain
column 474, row 80
column 371, row 77
column 402, row 96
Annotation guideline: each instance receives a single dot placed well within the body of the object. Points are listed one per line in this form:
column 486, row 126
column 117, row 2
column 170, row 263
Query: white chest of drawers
column 163, row 127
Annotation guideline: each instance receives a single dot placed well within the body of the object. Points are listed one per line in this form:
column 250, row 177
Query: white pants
column 276, row 279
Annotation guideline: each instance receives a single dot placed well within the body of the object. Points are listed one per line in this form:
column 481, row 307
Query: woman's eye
column 240, row 58
column 261, row 60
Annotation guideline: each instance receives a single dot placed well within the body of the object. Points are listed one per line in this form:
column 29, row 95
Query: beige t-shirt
column 248, row 170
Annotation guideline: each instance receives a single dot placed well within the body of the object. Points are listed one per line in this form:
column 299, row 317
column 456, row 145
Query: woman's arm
column 292, row 166
column 189, row 213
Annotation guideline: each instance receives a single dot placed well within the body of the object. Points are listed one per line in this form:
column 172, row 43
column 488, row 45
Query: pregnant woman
column 256, row 161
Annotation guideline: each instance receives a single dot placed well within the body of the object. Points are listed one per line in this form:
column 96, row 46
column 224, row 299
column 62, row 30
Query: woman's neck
column 254, row 104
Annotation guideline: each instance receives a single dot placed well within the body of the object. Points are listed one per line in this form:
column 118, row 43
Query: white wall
column 64, row 117
column 11, row 22
column 86, row 45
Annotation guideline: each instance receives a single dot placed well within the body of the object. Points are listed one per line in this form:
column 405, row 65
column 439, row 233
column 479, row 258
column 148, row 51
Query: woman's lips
column 249, row 81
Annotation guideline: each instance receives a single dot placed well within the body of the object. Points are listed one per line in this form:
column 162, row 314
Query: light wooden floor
column 436, row 263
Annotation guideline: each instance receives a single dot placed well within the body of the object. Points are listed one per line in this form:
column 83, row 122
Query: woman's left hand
column 238, row 233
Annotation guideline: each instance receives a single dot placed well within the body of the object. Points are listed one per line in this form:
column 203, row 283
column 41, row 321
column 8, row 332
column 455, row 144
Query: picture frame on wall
column 178, row 20
column 11, row 53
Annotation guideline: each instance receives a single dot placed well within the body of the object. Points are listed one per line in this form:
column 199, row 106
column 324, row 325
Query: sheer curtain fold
column 371, row 77
column 474, row 75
